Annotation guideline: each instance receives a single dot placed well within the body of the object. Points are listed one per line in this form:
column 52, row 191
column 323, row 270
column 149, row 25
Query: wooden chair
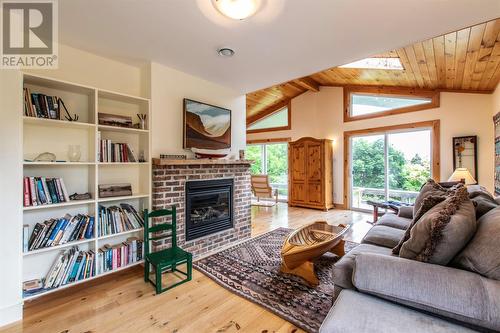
column 165, row 260
column 261, row 188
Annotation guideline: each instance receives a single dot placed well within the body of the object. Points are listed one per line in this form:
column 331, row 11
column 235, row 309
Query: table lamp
column 462, row 175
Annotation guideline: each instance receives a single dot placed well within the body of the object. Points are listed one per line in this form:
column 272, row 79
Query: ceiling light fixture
column 237, row 9
column 225, row 52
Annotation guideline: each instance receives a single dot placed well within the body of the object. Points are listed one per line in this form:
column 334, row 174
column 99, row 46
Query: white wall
column 11, row 169
column 321, row 115
column 168, row 88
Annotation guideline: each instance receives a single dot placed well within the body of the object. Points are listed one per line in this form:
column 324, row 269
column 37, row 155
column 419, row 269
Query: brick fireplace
column 218, row 206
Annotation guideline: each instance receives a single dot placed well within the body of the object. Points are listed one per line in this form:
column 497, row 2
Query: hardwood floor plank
column 123, row 302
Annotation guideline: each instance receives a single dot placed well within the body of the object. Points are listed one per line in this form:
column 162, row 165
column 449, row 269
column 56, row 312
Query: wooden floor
column 123, row 302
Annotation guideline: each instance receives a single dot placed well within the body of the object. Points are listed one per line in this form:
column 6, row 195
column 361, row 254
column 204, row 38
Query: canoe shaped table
column 309, row 242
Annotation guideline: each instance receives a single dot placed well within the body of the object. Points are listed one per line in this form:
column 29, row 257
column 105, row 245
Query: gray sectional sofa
column 377, row 291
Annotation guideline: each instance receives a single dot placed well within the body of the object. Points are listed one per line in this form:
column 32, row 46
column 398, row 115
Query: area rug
column 251, row 270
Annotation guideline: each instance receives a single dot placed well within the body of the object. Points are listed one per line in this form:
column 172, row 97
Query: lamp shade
column 462, row 173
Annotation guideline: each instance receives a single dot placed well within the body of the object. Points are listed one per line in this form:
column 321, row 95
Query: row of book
column 40, row 105
column 60, row 231
column 115, row 152
column 116, row 219
column 70, row 266
column 120, row 255
column 44, row 191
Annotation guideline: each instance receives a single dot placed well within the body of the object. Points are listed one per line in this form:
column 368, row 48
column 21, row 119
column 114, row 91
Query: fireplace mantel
column 201, row 161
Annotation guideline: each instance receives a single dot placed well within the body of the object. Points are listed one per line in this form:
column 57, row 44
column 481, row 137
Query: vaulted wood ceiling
column 464, row 60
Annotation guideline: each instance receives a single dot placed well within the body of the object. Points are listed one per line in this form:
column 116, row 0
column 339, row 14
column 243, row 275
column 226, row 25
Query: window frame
column 401, row 92
column 269, row 113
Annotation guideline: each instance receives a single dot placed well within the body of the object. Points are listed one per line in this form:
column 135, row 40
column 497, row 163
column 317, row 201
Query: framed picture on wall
column 206, row 126
column 465, row 154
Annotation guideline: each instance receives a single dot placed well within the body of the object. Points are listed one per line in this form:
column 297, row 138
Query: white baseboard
column 11, row 314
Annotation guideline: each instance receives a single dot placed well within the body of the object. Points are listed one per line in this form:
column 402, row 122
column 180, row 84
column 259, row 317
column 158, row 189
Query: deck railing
column 362, row 194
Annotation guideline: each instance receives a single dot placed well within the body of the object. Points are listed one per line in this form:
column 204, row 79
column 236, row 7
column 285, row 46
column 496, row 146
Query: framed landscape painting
column 206, row 126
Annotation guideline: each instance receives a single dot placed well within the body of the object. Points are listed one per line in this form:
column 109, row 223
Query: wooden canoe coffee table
column 307, row 243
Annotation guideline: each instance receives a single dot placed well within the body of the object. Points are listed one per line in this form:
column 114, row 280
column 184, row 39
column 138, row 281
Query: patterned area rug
column 251, row 270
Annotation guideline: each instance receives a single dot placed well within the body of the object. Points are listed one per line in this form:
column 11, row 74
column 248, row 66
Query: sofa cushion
column 443, row 231
column 394, row 221
column 354, row 312
column 406, row 212
column 383, row 235
column 430, row 188
column 482, row 253
column 342, row 270
column 483, row 201
column 444, row 291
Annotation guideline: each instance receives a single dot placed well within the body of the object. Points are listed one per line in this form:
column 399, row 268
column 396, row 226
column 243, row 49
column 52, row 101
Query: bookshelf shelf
column 118, row 129
column 57, row 123
column 128, row 197
column 119, row 234
column 63, row 204
column 55, row 136
column 50, row 291
column 27, row 163
column 58, row 247
column 122, row 163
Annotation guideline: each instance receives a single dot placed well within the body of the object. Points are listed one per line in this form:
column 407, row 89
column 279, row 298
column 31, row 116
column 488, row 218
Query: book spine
column 26, row 189
column 60, row 194
column 33, row 192
column 26, row 230
column 65, row 192
column 46, row 190
column 41, row 192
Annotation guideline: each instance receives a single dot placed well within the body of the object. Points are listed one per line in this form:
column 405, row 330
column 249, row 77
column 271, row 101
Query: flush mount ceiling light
column 225, row 52
column 376, row 63
column 237, row 9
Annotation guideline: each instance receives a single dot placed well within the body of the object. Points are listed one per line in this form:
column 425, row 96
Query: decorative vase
column 74, row 153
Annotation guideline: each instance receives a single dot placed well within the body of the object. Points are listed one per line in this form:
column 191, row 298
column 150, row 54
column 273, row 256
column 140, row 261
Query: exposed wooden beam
column 308, row 83
column 271, row 140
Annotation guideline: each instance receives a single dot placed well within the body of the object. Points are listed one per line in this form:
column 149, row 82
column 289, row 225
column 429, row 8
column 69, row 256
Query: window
column 371, row 102
column 390, row 163
column 376, row 63
column 271, row 159
column 276, row 121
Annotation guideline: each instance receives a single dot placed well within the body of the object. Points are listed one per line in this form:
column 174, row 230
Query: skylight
column 376, row 63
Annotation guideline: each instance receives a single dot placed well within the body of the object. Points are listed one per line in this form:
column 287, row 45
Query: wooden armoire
column 310, row 180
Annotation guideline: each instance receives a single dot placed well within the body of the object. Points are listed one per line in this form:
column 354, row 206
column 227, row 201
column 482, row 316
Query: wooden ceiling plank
column 460, row 57
column 450, row 41
column 489, row 39
column 475, row 38
column 410, row 53
column 438, row 45
column 492, row 65
column 494, row 80
column 422, row 63
column 431, row 62
column 410, row 77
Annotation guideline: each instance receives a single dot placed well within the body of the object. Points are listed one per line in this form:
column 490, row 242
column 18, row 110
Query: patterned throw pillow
column 443, row 230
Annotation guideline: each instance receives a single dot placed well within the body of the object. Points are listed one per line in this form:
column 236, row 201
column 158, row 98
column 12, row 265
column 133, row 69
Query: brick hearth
column 169, row 179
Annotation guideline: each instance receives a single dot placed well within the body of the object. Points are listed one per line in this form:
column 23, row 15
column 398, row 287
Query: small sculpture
column 45, row 157
column 83, row 196
column 142, row 120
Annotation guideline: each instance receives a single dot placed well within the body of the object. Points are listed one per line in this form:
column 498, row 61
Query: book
column 26, row 236
column 26, row 190
column 40, row 105
column 44, row 191
column 116, row 219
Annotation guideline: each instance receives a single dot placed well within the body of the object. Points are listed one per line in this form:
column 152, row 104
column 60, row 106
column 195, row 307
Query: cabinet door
column 314, row 193
column 314, row 162
column 298, row 193
column 298, row 157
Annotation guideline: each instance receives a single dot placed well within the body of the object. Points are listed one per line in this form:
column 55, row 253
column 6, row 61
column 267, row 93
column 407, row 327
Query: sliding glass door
column 390, row 166
column 271, row 159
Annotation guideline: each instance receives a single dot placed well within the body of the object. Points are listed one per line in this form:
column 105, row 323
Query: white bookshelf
column 46, row 135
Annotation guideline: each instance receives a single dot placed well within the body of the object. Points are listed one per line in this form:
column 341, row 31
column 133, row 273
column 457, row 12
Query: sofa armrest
column 406, row 212
column 445, row 291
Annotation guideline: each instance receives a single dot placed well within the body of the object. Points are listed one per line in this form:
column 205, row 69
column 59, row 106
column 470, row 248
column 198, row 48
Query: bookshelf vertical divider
column 49, row 135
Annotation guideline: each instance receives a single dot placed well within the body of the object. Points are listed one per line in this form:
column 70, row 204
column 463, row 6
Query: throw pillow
column 427, row 203
column 430, row 188
column 442, row 231
column 482, row 253
column 483, row 202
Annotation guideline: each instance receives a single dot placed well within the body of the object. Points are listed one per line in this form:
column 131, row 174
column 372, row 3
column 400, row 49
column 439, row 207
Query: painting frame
column 195, row 139
column 468, row 142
